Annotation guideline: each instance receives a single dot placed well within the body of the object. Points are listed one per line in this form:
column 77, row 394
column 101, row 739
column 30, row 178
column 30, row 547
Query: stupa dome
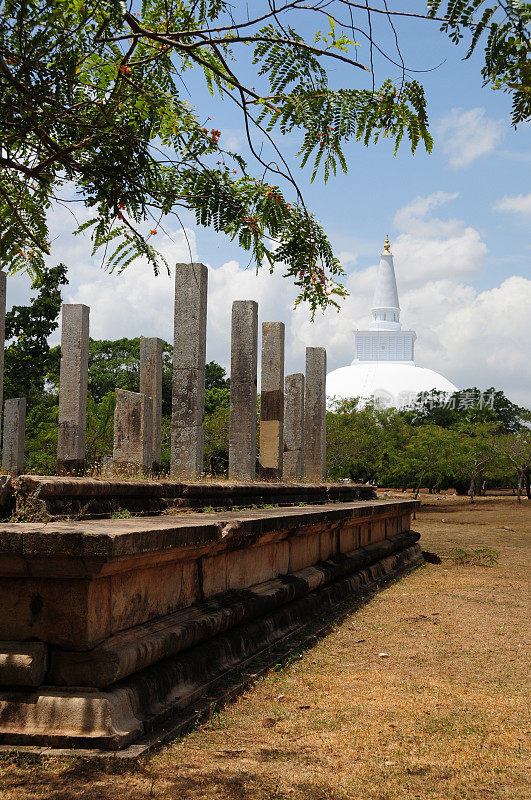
column 384, row 368
column 388, row 383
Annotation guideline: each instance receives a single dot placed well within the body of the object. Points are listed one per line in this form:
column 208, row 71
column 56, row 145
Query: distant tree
column 27, row 355
column 429, row 457
column 216, row 431
column 112, row 364
column 472, row 405
column 217, row 388
column 397, row 433
column 100, row 428
column 115, row 364
column 216, row 376
column 475, row 453
column 515, row 450
column 354, row 436
column 40, row 454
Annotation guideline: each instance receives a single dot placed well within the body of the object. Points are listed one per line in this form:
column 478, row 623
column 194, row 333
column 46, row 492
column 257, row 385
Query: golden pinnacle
column 387, row 247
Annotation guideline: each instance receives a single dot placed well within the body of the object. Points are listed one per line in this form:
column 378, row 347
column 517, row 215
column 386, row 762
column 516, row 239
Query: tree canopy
column 433, row 446
column 94, row 101
column 28, row 359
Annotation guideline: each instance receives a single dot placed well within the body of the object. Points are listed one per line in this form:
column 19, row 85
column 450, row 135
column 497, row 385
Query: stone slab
column 243, row 383
column 189, row 356
column 86, row 497
column 151, row 386
column 315, row 415
column 73, row 383
column 74, row 584
column 272, row 401
column 133, row 433
column 132, row 650
column 14, row 436
column 97, row 541
column 293, row 459
column 23, row 663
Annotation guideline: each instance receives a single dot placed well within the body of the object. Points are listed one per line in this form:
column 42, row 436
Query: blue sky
column 458, row 220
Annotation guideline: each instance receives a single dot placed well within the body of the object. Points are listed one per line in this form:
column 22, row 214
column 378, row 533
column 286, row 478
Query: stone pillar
column 294, row 427
column 151, row 385
column 272, row 401
column 2, row 339
column 243, row 367
column 73, row 381
column 189, row 355
column 133, row 433
column 315, row 415
column 14, row 435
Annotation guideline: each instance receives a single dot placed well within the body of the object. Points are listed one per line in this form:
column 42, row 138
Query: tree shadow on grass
column 117, row 779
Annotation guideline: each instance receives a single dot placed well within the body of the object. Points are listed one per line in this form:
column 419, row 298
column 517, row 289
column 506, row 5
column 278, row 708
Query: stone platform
column 55, row 497
column 111, row 628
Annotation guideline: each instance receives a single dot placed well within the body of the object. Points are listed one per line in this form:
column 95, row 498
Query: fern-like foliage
column 93, row 96
column 505, row 29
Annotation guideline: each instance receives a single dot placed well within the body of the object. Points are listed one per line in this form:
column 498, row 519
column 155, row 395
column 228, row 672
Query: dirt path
column 441, row 716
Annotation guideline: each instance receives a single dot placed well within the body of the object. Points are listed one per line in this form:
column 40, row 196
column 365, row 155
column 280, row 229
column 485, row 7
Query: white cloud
column 480, row 339
column 412, row 217
column 429, row 247
column 517, row 204
column 466, row 135
column 347, row 257
column 233, row 140
column 135, row 302
column 472, row 337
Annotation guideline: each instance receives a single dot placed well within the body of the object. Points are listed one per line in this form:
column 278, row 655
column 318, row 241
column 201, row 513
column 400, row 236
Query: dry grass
column 442, row 717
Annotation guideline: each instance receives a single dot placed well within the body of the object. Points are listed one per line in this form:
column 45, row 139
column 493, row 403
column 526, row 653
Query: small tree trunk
column 527, row 482
column 519, row 489
column 472, row 487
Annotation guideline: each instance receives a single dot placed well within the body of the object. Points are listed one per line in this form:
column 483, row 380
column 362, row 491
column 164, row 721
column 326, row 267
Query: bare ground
column 441, row 716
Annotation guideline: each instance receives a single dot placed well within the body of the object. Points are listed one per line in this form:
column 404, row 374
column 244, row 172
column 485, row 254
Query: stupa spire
column 385, row 306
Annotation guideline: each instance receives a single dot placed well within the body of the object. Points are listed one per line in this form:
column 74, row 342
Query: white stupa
column 384, row 366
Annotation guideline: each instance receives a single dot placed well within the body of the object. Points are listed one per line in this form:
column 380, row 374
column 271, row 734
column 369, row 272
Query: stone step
column 56, row 497
column 139, row 647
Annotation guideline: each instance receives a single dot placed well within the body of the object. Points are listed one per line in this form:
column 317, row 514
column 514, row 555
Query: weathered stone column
column 133, row 433
column 2, row 339
column 151, row 385
column 73, row 381
column 14, row 436
column 294, row 427
column 189, row 354
column 243, row 367
column 315, row 415
column 272, row 401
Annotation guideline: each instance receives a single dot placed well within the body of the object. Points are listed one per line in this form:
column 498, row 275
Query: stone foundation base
column 150, row 699
column 110, row 630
